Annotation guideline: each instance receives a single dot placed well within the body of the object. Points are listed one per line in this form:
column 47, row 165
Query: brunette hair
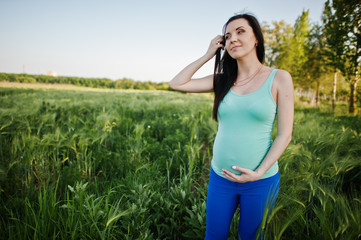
column 226, row 69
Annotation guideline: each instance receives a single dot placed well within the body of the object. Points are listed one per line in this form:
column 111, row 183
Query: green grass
column 111, row 164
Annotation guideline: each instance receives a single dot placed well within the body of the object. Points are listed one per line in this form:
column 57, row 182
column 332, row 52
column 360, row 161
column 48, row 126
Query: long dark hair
column 226, row 69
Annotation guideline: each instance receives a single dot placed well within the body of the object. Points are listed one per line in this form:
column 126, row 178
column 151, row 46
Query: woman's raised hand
column 215, row 44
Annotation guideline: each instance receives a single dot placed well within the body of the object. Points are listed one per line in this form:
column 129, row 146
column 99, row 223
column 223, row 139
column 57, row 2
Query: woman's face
column 240, row 39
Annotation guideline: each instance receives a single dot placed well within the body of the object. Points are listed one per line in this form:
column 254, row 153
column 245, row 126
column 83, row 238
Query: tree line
column 324, row 60
column 124, row 83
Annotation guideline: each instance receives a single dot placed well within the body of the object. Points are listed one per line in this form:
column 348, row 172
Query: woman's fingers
column 247, row 175
column 215, row 44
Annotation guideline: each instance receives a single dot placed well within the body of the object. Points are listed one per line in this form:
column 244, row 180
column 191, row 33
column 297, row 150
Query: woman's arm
column 183, row 81
column 285, row 101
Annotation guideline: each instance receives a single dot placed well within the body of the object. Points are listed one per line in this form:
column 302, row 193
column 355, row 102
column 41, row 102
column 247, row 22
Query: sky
column 144, row 40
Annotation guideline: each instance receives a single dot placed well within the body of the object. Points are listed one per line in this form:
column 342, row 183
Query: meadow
column 80, row 163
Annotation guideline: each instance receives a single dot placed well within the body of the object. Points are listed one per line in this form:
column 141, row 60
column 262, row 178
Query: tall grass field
column 111, row 164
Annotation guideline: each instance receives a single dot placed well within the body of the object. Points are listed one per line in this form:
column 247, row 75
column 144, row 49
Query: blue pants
column 223, row 198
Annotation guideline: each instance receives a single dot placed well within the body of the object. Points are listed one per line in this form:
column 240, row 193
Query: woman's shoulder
column 283, row 80
column 282, row 76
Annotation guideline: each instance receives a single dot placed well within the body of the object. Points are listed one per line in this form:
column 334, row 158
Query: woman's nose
column 233, row 38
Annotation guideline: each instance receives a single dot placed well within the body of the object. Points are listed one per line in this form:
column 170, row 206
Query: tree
column 314, row 68
column 342, row 20
column 277, row 40
column 287, row 47
column 299, row 48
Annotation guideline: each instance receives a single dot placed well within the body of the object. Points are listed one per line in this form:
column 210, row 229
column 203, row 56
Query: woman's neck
column 247, row 67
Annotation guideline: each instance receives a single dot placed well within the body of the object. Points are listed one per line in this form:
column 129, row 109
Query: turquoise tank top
column 245, row 130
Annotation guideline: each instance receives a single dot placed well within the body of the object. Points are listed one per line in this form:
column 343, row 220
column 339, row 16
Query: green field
column 81, row 163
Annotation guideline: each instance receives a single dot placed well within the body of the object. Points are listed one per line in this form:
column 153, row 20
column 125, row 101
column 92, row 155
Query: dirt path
column 50, row 85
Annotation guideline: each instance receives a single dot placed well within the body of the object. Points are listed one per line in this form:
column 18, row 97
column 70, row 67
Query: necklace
column 250, row 77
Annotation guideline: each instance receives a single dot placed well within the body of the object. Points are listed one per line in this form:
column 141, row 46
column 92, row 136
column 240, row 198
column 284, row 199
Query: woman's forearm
column 278, row 147
column 185, row 76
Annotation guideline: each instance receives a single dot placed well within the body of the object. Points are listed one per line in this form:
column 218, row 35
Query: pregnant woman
column 248, row 98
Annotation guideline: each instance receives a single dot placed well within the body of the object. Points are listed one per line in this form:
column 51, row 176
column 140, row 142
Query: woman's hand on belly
column 247, row 175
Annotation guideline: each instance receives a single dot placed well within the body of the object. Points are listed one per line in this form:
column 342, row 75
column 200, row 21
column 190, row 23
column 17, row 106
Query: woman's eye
column 240, row 31
column 227, row 37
